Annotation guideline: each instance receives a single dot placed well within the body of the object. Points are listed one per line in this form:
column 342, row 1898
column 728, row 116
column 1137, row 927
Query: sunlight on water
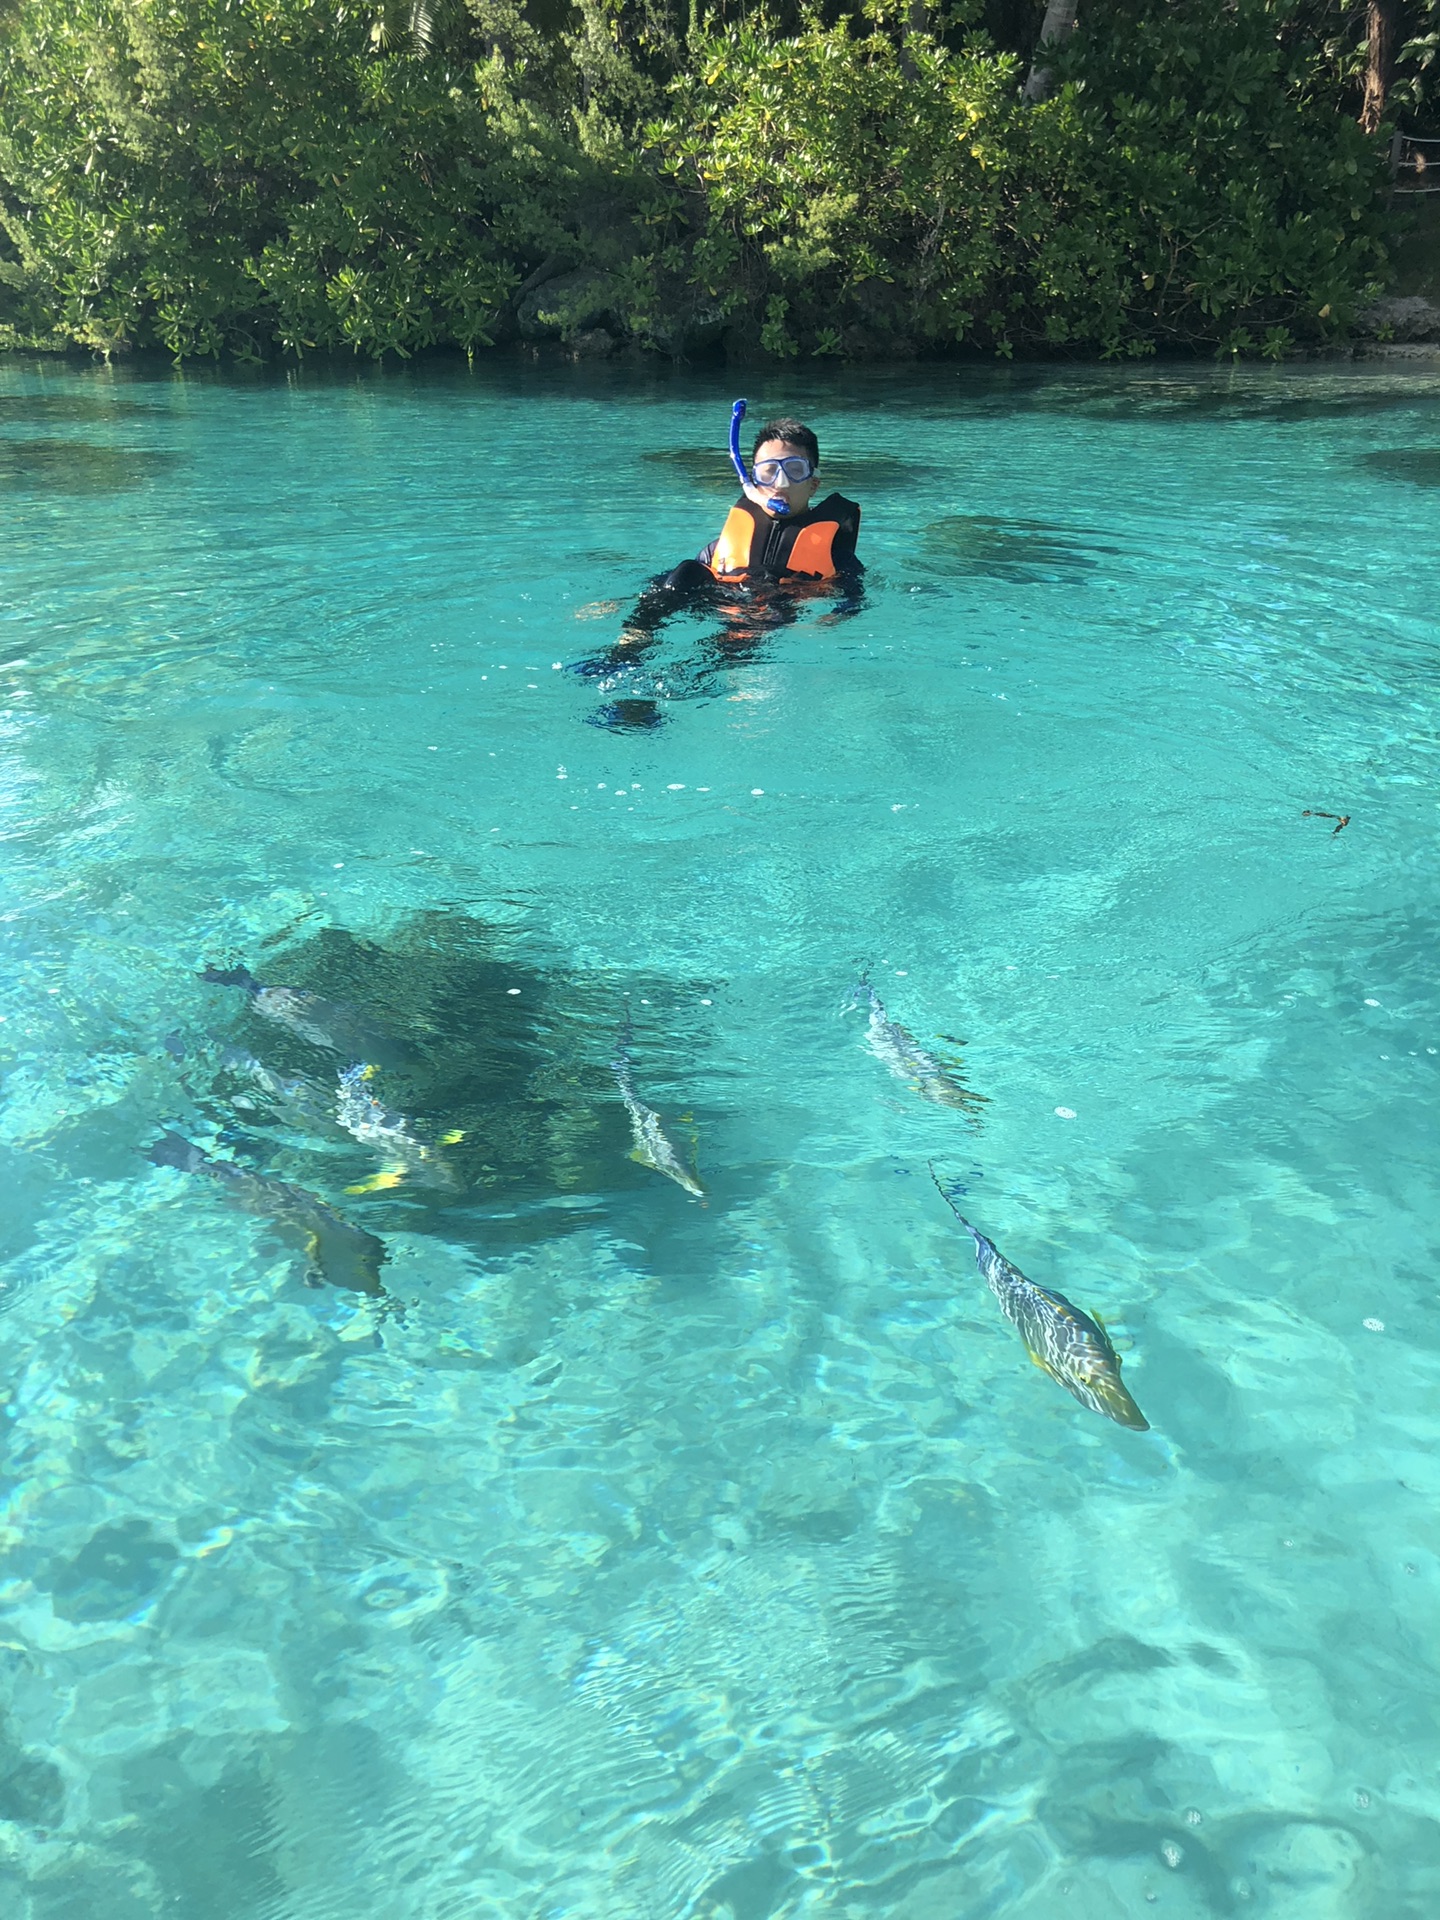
column 419, row 1508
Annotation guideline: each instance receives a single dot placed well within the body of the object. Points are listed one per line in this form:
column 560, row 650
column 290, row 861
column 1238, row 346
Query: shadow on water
column 1165, row 398
column 76, row 466
column 845, row 473
column 40, row 409
column 1419, row 465
column 119, row 1569
column 1015, row 550
column 507, row 1071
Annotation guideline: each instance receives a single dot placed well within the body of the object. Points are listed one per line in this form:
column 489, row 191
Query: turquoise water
column 633, row 1557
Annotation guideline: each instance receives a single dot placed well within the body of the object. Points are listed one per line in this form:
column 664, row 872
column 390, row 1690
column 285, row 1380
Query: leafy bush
column 1187, row 184
column 245, row 174
column 248, row 176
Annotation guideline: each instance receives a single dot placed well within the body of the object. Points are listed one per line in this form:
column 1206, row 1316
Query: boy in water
column 777, row 547
column 773, row 530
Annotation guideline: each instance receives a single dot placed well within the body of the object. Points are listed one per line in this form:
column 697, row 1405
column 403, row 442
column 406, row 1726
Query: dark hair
column 794, row 434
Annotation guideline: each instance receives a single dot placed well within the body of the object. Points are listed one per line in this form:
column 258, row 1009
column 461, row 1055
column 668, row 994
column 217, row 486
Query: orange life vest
column 804, row 545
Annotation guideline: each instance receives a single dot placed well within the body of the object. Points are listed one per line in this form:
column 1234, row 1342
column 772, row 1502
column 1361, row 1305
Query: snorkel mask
column 771, row 502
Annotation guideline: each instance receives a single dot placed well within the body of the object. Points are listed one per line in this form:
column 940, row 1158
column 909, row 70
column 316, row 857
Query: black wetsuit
column 750, row 607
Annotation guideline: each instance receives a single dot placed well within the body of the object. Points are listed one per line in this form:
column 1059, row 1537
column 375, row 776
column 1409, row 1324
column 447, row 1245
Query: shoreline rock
column 1400, row 318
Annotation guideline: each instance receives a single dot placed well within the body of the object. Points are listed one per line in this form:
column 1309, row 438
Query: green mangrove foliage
column 778, row 178
column 250, row 174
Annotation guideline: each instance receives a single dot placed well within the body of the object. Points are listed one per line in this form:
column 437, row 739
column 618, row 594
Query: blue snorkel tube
column 747, row 485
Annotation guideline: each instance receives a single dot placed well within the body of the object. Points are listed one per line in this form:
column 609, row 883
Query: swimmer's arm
column 665, row 596
column 849, row 596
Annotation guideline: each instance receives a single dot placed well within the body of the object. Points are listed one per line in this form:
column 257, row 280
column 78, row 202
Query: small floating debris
column 1314, row 813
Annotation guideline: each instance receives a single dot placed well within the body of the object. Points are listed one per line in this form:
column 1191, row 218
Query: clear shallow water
column 726, row 1561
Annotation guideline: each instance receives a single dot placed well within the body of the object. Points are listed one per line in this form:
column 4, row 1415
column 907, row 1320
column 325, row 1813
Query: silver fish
column 897, row 1048
column 331, row 1024
column 300, row 1101
column 653, row 1147
column 376, row 1125
column 334, row 1248
column 1061, row 1340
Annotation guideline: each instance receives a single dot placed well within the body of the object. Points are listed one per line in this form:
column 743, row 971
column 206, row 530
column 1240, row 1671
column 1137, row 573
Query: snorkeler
column 777, row 548
column 774, row 530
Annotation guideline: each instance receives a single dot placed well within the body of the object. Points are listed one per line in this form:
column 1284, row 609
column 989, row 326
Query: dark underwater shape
column 627, row 716
column 1062, row 1340
column 1419, row 465
column 32, row 1792
column 854, row 474
column 513, row 1056
column 76, row 466
column 1174, row 400
column 336, row 1251
column 41, row 407
column 1016, row 550
column 117, row 1570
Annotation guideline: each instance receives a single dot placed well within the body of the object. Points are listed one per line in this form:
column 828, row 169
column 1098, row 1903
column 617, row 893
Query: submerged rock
column 119, row 1569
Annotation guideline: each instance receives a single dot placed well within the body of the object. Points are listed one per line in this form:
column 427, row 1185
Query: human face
column 796, row 495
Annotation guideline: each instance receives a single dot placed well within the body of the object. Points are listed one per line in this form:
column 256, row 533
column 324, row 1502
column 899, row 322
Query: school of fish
column 1061, row 1339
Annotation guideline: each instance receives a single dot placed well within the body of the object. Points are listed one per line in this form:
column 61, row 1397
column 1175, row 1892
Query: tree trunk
column 1380, row 29
column 918, row 22
column 1059, row 25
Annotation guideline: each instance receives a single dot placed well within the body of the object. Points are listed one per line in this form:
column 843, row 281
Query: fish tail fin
column 231, row 977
